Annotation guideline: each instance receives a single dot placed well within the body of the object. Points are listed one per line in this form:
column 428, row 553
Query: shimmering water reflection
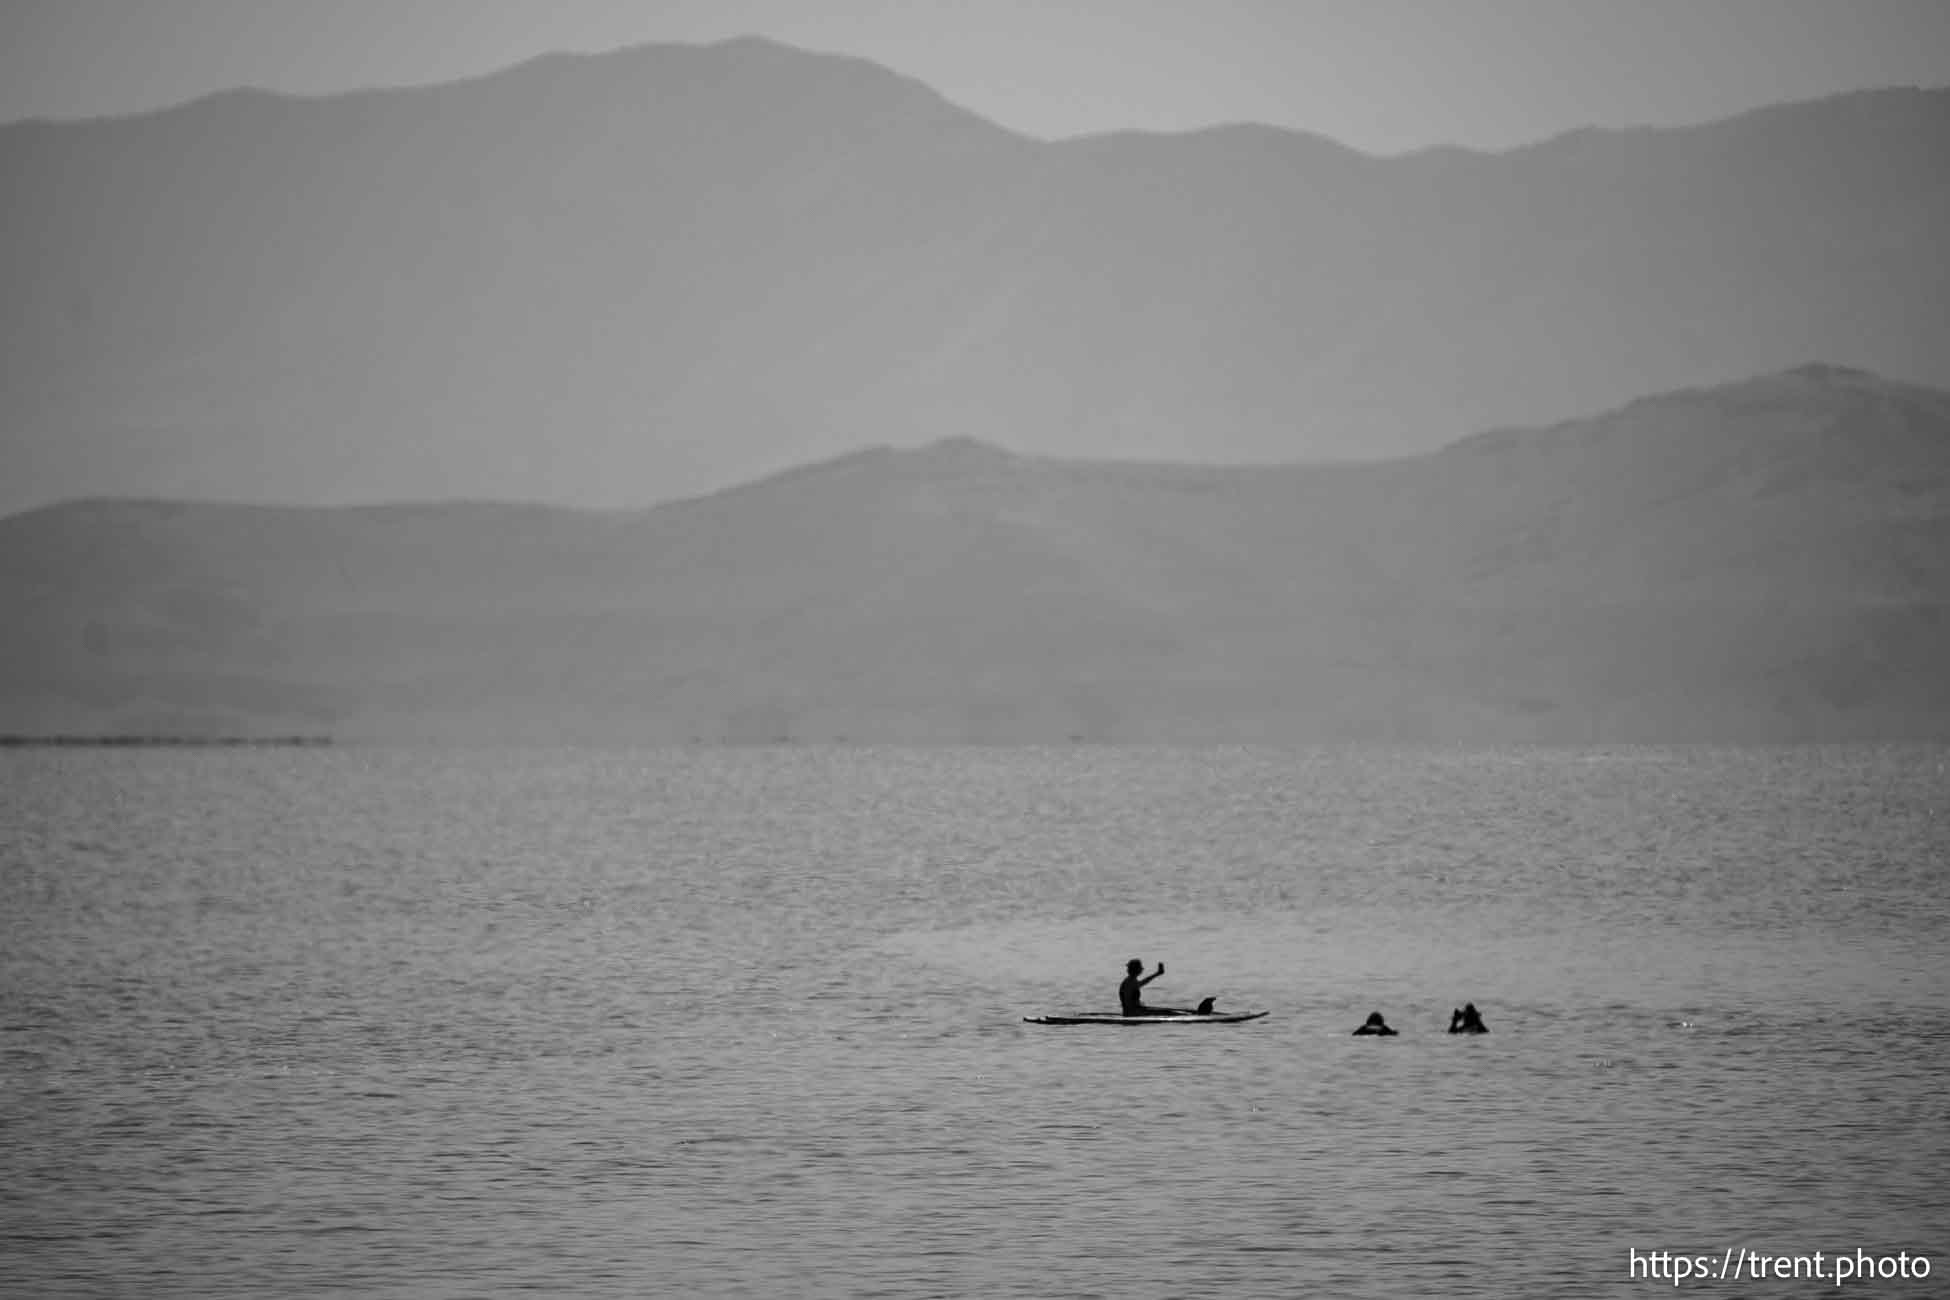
column 749, row 1022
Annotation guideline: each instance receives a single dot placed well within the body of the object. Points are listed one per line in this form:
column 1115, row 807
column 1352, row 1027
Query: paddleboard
column 1189, row 1018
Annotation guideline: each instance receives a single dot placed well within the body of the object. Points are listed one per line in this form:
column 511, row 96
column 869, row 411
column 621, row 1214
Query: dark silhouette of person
column 1376, row 1026
column 1128, row 996
column 1467, row 1021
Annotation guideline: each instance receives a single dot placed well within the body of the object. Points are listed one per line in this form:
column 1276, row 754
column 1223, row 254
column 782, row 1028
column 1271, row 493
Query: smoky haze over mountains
column 1757, row 561
column 625, row 278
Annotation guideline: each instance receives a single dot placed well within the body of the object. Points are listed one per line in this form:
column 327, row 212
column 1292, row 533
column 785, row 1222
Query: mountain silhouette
column 1764, row 560
column 631, row 277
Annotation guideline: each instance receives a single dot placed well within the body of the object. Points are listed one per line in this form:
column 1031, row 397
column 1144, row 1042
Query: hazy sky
column 1382, row 75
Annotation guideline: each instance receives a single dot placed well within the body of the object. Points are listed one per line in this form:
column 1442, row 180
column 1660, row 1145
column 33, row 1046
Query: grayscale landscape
column 618, row 620
column 1766, row 560
column 937, row 432
column 613, row 280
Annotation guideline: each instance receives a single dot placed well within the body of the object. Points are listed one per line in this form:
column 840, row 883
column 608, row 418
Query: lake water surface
column 749, row 1022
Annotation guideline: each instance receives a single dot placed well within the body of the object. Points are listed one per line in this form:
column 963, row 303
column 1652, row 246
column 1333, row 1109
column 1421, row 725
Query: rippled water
column 749, row 1022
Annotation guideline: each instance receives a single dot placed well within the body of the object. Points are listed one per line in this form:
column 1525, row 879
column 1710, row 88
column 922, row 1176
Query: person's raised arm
column 1153, row 975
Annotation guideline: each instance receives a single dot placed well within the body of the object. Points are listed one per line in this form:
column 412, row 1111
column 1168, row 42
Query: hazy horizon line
column 755, row 38
column 949, row 442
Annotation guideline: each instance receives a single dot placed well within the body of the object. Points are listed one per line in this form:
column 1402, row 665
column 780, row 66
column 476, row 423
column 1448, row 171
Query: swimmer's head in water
column 1374, row 1018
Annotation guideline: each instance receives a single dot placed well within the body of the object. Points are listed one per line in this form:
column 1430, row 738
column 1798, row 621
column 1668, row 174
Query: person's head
column 1469, row 1011
column 1133, row 966
column 1374, row 1019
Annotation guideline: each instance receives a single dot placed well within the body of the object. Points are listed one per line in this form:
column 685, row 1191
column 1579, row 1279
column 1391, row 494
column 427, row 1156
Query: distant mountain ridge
column 1767, row 560
column 623, row 278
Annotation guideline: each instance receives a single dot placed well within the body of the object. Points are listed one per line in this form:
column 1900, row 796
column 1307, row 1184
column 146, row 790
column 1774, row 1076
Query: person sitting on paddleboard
column 1128, row 996
column 1467, row 1021
column 1375, row 1025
